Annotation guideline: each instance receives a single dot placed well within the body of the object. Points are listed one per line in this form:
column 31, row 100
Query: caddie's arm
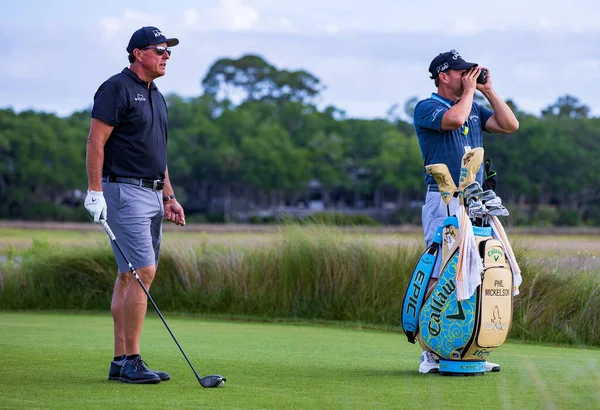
column 504, row 120
column 456, row 116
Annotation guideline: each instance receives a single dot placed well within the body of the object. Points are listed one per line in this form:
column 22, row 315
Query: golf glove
column 96, row 205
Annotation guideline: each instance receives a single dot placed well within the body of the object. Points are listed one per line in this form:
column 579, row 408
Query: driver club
column 213, row 380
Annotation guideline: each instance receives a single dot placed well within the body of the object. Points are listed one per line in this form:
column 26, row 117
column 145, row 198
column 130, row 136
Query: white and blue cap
column 147, row 36
column 450, row 60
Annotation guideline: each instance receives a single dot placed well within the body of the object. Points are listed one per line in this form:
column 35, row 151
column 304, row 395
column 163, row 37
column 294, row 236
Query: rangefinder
column 482, row 77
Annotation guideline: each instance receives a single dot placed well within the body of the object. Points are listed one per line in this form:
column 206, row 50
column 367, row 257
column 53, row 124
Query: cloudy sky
column 370, row 54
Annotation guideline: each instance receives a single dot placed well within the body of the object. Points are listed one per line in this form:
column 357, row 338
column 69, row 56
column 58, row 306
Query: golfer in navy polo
column 129, row 187
column 448, row 124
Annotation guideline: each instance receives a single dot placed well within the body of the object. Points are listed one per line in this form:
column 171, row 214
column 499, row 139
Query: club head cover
column 469, row 166
column 442, row 176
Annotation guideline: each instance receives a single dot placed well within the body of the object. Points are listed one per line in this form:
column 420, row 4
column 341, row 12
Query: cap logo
column 157, row 33
column 442, row 67
column 455, row 54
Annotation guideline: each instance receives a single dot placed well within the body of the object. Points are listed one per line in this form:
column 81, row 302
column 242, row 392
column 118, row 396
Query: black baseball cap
column 147, row 36
column 450, row 60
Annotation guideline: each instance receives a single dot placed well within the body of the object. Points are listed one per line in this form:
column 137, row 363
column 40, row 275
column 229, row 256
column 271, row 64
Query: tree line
column 275, row 147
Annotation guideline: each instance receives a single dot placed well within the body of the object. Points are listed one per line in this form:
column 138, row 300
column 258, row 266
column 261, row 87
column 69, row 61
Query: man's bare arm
column 99, row 133
column 504, row 120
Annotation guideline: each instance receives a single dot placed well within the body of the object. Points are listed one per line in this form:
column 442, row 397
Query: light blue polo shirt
column 447, row 147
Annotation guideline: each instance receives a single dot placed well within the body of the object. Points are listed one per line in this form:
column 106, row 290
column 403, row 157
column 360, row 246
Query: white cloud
column 136, row 16
column 23, row 66
column 332, row 29
column 230, row 15
column 111, row 26
column 467, row 27
column 238, row 16
column 191, row 17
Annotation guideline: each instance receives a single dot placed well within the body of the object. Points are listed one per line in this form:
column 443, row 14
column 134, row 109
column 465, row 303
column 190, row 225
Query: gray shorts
column 135, row 216
column 433, row 214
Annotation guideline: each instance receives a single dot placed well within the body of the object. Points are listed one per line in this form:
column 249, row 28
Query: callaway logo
column 460, row 315
column 139, row 97
column 495, row 253
column 455, row 54
column 157, row 33
column 442, row 67
column 474, row 118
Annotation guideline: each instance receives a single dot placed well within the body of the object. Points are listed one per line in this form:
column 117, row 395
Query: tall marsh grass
column 312, row 272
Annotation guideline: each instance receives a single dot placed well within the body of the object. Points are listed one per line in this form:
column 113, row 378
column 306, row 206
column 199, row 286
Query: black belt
column 154, row 184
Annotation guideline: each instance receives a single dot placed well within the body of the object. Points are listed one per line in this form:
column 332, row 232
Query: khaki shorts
column 432, row 216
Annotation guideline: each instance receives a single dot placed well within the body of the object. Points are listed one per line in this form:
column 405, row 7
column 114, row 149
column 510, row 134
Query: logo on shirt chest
column 474, row 118
column 140, row 97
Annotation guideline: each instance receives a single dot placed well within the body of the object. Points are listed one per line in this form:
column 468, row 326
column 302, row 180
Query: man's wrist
column 487, row 93
column 168, row 198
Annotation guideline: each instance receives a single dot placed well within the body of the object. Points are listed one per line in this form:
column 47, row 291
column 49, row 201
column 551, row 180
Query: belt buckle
column 158, row 185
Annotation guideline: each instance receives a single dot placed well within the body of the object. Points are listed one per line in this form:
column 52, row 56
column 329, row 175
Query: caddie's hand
column 469, row 79
column 96, row 205
column 174, row 212
column 488, row 85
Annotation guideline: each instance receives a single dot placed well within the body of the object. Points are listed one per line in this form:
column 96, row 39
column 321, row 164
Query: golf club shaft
column 135, row 275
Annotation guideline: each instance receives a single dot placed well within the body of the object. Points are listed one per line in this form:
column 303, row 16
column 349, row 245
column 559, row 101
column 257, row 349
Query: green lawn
column 60, row 360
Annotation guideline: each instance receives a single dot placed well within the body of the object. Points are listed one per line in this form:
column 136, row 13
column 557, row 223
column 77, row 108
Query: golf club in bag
column 213, row 380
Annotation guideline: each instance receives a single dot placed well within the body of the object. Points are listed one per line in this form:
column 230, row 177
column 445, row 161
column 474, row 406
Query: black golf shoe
column 115, row 371
column 136, row 371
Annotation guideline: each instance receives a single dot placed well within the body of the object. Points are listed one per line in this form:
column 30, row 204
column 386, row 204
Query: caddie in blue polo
column 129, row 187
column 448, row 124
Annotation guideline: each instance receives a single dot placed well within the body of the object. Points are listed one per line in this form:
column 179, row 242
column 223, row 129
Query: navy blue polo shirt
column 137, row 146
column 447, row 147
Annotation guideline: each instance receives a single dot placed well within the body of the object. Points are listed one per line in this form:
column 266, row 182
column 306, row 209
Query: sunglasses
column 160, row 50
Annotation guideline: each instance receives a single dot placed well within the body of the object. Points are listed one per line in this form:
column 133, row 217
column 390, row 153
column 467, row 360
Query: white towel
column 499, row 233
column 470, row 267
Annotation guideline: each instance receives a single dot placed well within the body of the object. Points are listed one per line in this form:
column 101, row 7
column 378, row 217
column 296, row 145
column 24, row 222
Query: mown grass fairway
column 60, row 360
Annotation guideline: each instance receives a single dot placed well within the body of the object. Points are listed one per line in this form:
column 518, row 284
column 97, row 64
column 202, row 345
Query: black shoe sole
column 118, row 378
column 141, row 381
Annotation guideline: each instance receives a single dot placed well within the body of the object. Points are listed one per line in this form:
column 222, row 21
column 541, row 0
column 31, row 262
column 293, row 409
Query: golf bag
column 468, row 330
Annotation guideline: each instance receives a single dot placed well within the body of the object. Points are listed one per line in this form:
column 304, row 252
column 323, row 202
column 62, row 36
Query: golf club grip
column 110, row 233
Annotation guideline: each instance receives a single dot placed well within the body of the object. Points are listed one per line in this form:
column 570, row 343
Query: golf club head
column 499, row 211
column 494, row 202
column 476, row 209
column 472, row 190
column 214, row 380
column 487, row 195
